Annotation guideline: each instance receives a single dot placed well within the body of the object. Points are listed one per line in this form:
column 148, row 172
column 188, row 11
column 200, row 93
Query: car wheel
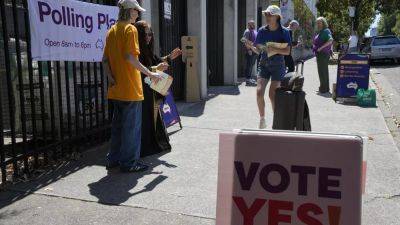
column 372, row 62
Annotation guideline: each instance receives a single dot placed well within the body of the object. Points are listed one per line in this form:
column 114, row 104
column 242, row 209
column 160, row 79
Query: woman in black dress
column 154, row 136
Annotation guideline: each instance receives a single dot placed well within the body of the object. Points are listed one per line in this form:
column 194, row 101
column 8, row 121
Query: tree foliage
column 390, row 20
column 386, row 24
column 387, row 6
column 305, row 17
column 336, row 11
column 396, row 28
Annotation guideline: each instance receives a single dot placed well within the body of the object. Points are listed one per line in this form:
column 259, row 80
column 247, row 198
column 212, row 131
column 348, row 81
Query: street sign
column 273, row 178
column 167, row 9
column 352, row 11
column 352, row 74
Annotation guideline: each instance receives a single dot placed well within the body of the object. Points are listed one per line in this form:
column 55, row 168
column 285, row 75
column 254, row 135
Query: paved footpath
column 387, row 79
column 181, row 187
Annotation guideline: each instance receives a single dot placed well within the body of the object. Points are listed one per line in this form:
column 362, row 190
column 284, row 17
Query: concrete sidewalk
column 181, row 187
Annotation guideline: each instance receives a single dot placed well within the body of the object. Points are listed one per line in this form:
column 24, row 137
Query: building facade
column 54, row 106
column 218, row 25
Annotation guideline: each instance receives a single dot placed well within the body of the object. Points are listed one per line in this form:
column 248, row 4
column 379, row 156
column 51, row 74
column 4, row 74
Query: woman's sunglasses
column 149, row 34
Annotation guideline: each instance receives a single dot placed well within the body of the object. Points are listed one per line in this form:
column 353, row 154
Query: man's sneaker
column 139, row 167
column 263, row 124
column 250, row 82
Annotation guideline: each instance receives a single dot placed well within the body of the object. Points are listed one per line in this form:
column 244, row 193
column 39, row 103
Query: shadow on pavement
column 197, row 109
column 191, row 109
column 325, row 95
column 223, row 90
column 114, row 188
column 384, row 64
column 10, row 213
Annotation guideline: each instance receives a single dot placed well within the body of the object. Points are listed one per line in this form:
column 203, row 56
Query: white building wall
column 197, row 26
column 148, row 14
column 152, row 17
column 251, row 10
column 287, row 11
column 230, row 42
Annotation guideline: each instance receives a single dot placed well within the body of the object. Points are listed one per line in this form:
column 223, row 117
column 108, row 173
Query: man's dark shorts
column 274, row 69
column 272, row 72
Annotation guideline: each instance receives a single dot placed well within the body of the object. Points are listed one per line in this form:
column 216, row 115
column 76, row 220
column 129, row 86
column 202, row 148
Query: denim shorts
column 273, row 68
column 272, row 72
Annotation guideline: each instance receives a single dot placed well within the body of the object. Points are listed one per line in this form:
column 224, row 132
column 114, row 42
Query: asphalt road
column 386, row 75
column 391, row 72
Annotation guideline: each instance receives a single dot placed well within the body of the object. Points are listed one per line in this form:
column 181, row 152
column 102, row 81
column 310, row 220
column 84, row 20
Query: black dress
column 154, row 135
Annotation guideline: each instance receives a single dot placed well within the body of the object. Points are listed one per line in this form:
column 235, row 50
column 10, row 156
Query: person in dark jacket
column 293, row 26
column 154, row 136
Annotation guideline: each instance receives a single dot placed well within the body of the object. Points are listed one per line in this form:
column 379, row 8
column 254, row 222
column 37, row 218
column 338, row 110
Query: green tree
column 386, row 24
column 390, row 20
column 336, row 11
column 364, row 15
column 305, row 17
column 396, row 28
column 387, row 6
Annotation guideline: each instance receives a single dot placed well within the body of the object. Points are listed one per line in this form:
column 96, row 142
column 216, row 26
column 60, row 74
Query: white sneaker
column 263, row 124
column 250, row 82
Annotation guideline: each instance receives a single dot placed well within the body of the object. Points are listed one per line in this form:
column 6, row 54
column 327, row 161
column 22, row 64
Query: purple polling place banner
column 169, row 111
column 69, row 30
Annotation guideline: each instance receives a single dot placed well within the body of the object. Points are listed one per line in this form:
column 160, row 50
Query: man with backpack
column 272, row 67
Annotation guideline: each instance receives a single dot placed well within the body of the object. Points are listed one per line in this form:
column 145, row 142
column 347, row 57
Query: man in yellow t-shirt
column 122, row 66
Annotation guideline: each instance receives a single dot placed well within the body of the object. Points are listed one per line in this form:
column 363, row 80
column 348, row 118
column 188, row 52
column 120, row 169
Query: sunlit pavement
column 181, row 186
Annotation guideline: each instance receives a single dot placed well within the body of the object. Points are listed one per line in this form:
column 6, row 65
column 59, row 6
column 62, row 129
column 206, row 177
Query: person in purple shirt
column 250, row 35
column 271, row 67
column 322, row 47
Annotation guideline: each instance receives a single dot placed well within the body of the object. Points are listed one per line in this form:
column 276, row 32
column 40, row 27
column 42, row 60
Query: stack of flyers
column 163, row 85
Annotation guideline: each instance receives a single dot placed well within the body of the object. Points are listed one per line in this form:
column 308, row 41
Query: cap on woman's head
column 273, row 10
column 130, row 4
column 295, row 22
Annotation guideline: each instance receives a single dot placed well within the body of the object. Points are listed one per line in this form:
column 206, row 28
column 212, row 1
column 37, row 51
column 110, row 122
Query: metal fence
column 47, row 109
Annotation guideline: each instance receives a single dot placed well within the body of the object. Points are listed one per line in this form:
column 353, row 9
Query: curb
column 392, row 123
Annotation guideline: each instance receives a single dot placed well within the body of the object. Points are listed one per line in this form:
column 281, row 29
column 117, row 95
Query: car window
column 386, row 41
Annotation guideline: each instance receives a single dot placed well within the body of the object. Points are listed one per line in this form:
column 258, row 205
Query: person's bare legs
column 261, row 86
column 274, row 85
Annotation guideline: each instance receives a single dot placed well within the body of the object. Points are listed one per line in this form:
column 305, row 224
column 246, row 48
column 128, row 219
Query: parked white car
column 385, row 47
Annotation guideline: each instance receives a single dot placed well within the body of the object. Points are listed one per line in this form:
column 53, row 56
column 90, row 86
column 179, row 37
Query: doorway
column 215, row 42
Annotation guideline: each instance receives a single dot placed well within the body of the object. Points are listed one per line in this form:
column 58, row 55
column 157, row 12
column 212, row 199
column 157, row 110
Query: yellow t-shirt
column 122, row 39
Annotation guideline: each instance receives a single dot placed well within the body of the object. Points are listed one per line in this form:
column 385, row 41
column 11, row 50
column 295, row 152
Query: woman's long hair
column 146, row 50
